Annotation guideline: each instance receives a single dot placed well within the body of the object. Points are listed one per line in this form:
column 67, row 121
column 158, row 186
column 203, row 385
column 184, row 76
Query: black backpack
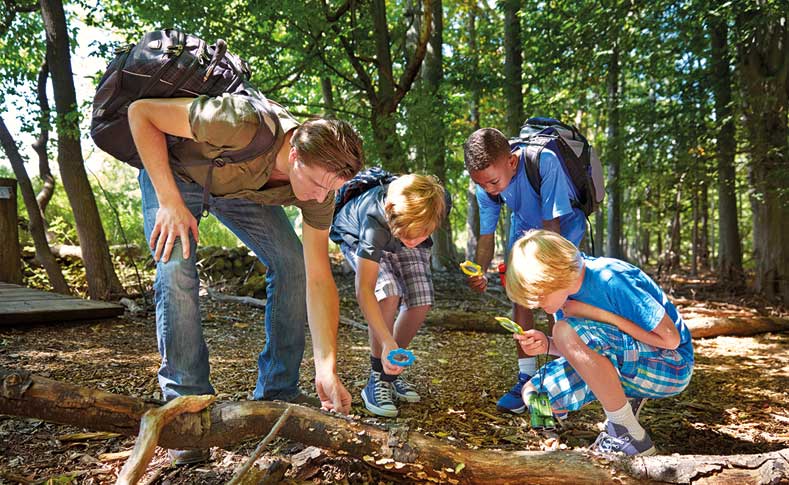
column 167, row 64
column 361, row 183
column 578, row 159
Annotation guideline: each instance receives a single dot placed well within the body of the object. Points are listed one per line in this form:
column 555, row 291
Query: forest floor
column 737, row 402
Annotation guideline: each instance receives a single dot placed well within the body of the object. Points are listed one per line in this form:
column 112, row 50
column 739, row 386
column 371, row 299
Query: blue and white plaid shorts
column 644, row 370
column 405, row 274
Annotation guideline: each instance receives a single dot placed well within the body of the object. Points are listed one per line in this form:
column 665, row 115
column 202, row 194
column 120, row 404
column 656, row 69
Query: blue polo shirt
column 623, row 289
column 528, row 208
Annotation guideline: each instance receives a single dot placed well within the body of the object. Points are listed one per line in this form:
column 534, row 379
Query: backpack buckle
column 176, row 49
column 123, row 48
column 219, row 162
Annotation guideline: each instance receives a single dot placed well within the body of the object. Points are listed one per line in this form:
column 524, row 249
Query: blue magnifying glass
column 401, row 357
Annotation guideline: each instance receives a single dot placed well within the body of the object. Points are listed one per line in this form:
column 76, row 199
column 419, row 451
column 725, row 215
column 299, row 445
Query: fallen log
column 700, row 325
column 704, row 326
column 415, row 456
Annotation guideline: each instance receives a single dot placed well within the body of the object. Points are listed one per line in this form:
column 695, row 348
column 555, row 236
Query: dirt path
column 738, row 401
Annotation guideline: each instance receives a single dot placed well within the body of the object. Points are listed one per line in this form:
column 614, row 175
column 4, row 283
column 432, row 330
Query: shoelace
column 608, row 444
column 382, row 392
column 402, row 385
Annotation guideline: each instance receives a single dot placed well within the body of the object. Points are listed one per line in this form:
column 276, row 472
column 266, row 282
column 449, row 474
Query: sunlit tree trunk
column 444, row 256
column 764, row 62
column 36, row 225
column 614, row 155
column 102, row 281
column 513, row 80
column 729, row 244
column 472, row 214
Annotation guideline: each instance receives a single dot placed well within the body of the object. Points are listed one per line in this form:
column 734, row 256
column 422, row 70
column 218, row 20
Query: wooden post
column 10, row 254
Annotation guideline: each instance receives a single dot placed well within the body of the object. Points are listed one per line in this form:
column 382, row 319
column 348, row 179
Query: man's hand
column 390, row 368
column 532, row 342
column 333, row 395
column 478, row 283
column 171, row 223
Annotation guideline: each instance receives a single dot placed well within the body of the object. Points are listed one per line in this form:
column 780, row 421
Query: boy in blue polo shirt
column 617, row 335
column 500, row 174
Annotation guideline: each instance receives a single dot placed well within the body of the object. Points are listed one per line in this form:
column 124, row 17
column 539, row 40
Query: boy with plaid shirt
column 616, row 333
column 384, row 233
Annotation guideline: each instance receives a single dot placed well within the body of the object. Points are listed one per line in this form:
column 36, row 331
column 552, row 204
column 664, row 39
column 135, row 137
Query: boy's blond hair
column 414, row 206
column 541, row 262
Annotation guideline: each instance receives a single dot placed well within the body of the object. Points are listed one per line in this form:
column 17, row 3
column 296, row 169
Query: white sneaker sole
column 519, row 410
column 406, row 397
column 379, row 411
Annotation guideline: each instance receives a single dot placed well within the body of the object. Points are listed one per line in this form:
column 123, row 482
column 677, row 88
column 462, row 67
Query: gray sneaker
column 404, row 390
column 188, row 457
column 616, row 439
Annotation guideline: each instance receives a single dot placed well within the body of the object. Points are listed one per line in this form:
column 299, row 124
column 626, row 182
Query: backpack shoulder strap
column 532, row 150
column 264, row 138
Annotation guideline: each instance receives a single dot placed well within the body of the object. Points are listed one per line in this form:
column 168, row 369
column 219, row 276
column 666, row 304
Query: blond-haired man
column 304, row 166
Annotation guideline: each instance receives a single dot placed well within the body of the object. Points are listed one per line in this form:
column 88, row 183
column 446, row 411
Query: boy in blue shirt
column 616, row 333
column 500, row 174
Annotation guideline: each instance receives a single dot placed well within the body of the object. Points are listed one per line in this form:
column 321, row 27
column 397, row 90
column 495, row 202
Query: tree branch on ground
column 398, row 450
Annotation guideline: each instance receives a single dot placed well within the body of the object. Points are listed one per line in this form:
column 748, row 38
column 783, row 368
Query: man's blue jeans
column 268, row 233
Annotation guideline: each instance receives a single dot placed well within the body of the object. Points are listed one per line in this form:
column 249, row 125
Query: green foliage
column 666, row 104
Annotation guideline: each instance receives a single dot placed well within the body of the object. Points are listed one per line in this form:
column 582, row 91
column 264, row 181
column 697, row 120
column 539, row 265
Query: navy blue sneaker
column 512, row 402
column 377, row 396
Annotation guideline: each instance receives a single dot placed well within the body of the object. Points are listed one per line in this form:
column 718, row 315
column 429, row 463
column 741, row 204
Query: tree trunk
column 40, row 146
column 444, row 255
column 328, row 97
column 729, row 245
column 704, row 237
column 10, row 252
column 764, row 62
column 672, row 252
column 399, row 451
column 102, row 281
column 615, row 153
column 472, row 211
column 694, row 236
column 513, row 67
column 43, row 253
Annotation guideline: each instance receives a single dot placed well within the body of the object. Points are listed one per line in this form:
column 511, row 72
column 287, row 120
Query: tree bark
column 398, row 450
column 614, row 154
column 444, row 255
column 328, row 97
column 513, row 68
column 729, row 245
column 764, row 63
column 102, row 281
column 472, row 208
column 40, row 146
column 671, row 258
column 36, row 225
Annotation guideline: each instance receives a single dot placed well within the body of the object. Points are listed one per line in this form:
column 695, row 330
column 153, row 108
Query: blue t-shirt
column 528, row 208
column 623, row 289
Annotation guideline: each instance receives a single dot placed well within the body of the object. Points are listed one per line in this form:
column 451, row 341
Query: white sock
column 625, row 417
column 528, row 365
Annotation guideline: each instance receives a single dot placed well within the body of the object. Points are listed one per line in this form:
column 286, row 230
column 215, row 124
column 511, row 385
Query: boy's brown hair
column 330, row 143
column 541, row 262
column 415, row 205
column 484, row 147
